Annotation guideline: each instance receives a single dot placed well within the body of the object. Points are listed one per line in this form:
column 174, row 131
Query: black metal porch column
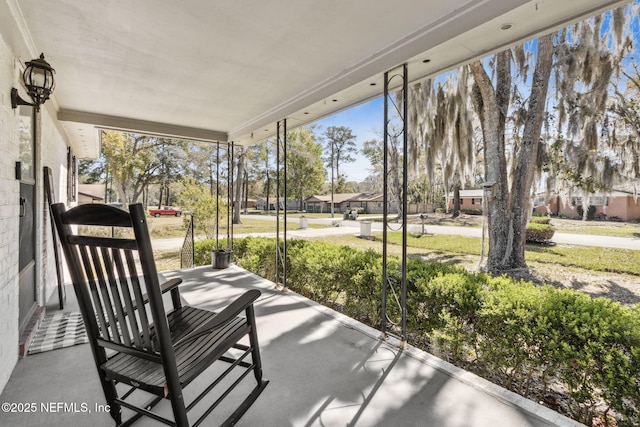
column 229, row 184
column 278, row 255
column 286, row 196
column 231, row 195
column 395, row 128
column 217, row 194
column 281, row 257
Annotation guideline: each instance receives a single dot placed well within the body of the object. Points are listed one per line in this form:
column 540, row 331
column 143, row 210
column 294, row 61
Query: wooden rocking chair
column 134, row 340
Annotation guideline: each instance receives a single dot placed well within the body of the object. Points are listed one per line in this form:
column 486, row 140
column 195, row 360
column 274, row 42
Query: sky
column 366, row 122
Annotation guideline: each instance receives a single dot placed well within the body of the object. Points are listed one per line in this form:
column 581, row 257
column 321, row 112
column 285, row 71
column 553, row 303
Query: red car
column 167, row 210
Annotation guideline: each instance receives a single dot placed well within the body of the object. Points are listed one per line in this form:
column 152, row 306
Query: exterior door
column 26, row 173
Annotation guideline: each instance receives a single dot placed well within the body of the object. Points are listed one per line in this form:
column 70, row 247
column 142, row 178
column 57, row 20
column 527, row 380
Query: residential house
column 616, row 205
column 342, row 202
column 248, row 204
column 90, row 193
column 619, row 205
column 261, row 204
column 322, row 203
column 470, row 201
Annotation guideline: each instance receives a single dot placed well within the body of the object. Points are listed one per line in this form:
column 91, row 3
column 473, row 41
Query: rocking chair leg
column 255, row 349
column 179, row 409
column 246, row 404
column 111, row 394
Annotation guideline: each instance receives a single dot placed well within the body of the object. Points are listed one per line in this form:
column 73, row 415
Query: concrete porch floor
column 325, row 369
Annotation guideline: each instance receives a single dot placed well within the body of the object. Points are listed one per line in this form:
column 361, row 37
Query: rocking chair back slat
column 139, row 300
column 114, row 285
column 107, row 303
column 95, row 300
column 129, row 310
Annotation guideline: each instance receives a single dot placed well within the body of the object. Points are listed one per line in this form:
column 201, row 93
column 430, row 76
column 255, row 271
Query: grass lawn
column 450, row 249
column 164, row 227
column 326, row 215
column 250, row 225
column 464, row 250
column 590, row 258
column 167, row 260
column 599, row 228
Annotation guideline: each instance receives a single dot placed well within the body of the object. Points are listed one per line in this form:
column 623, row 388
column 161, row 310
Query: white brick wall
column 51, row 148
column 9, row 197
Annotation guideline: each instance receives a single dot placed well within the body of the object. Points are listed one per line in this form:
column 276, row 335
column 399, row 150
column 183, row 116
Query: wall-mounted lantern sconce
column 39, row 81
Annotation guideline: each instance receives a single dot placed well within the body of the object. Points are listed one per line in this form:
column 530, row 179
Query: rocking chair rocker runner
column 133, row 340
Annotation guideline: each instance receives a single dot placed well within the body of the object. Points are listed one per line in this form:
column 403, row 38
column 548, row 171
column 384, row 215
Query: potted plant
column 220, row 258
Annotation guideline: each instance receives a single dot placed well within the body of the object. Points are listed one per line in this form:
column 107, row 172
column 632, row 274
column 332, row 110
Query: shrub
column 591, row 211
column 597, row 352
column 471, row 211
column 318, row 271
column 516, row 337
column 362, row 298
column 539, row 233
column 540, row 220
column 449, row 306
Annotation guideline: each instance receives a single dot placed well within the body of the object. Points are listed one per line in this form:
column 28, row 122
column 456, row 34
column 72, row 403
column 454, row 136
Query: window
column 539, row 201
column 72, row 175
column 597, row 201
column 476, row 201
column 576, row 201
column 26, row 134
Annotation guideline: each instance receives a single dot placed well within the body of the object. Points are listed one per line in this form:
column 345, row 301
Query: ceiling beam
column 141, row 126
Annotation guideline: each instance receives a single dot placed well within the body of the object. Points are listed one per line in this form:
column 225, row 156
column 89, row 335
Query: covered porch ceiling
column 228, row 71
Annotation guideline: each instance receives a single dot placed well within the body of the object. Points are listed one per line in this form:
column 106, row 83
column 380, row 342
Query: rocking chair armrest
column 230, row 312
column 167, row 286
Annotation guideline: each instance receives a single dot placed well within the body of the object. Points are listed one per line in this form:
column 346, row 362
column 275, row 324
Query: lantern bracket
column 16, row 100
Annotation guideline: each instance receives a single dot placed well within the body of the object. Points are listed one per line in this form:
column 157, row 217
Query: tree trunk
column 456, row 200
column 528, row 154
column 493, row 104
column 239, row 180
column 246, row 192
column 266, row 208
column 445, row 180
column 509, row 211
column 121, row 188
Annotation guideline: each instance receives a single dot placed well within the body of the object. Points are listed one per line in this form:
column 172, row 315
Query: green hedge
column 540, row 220
column 471, row 211
column 527, row 338
column 539, row 233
